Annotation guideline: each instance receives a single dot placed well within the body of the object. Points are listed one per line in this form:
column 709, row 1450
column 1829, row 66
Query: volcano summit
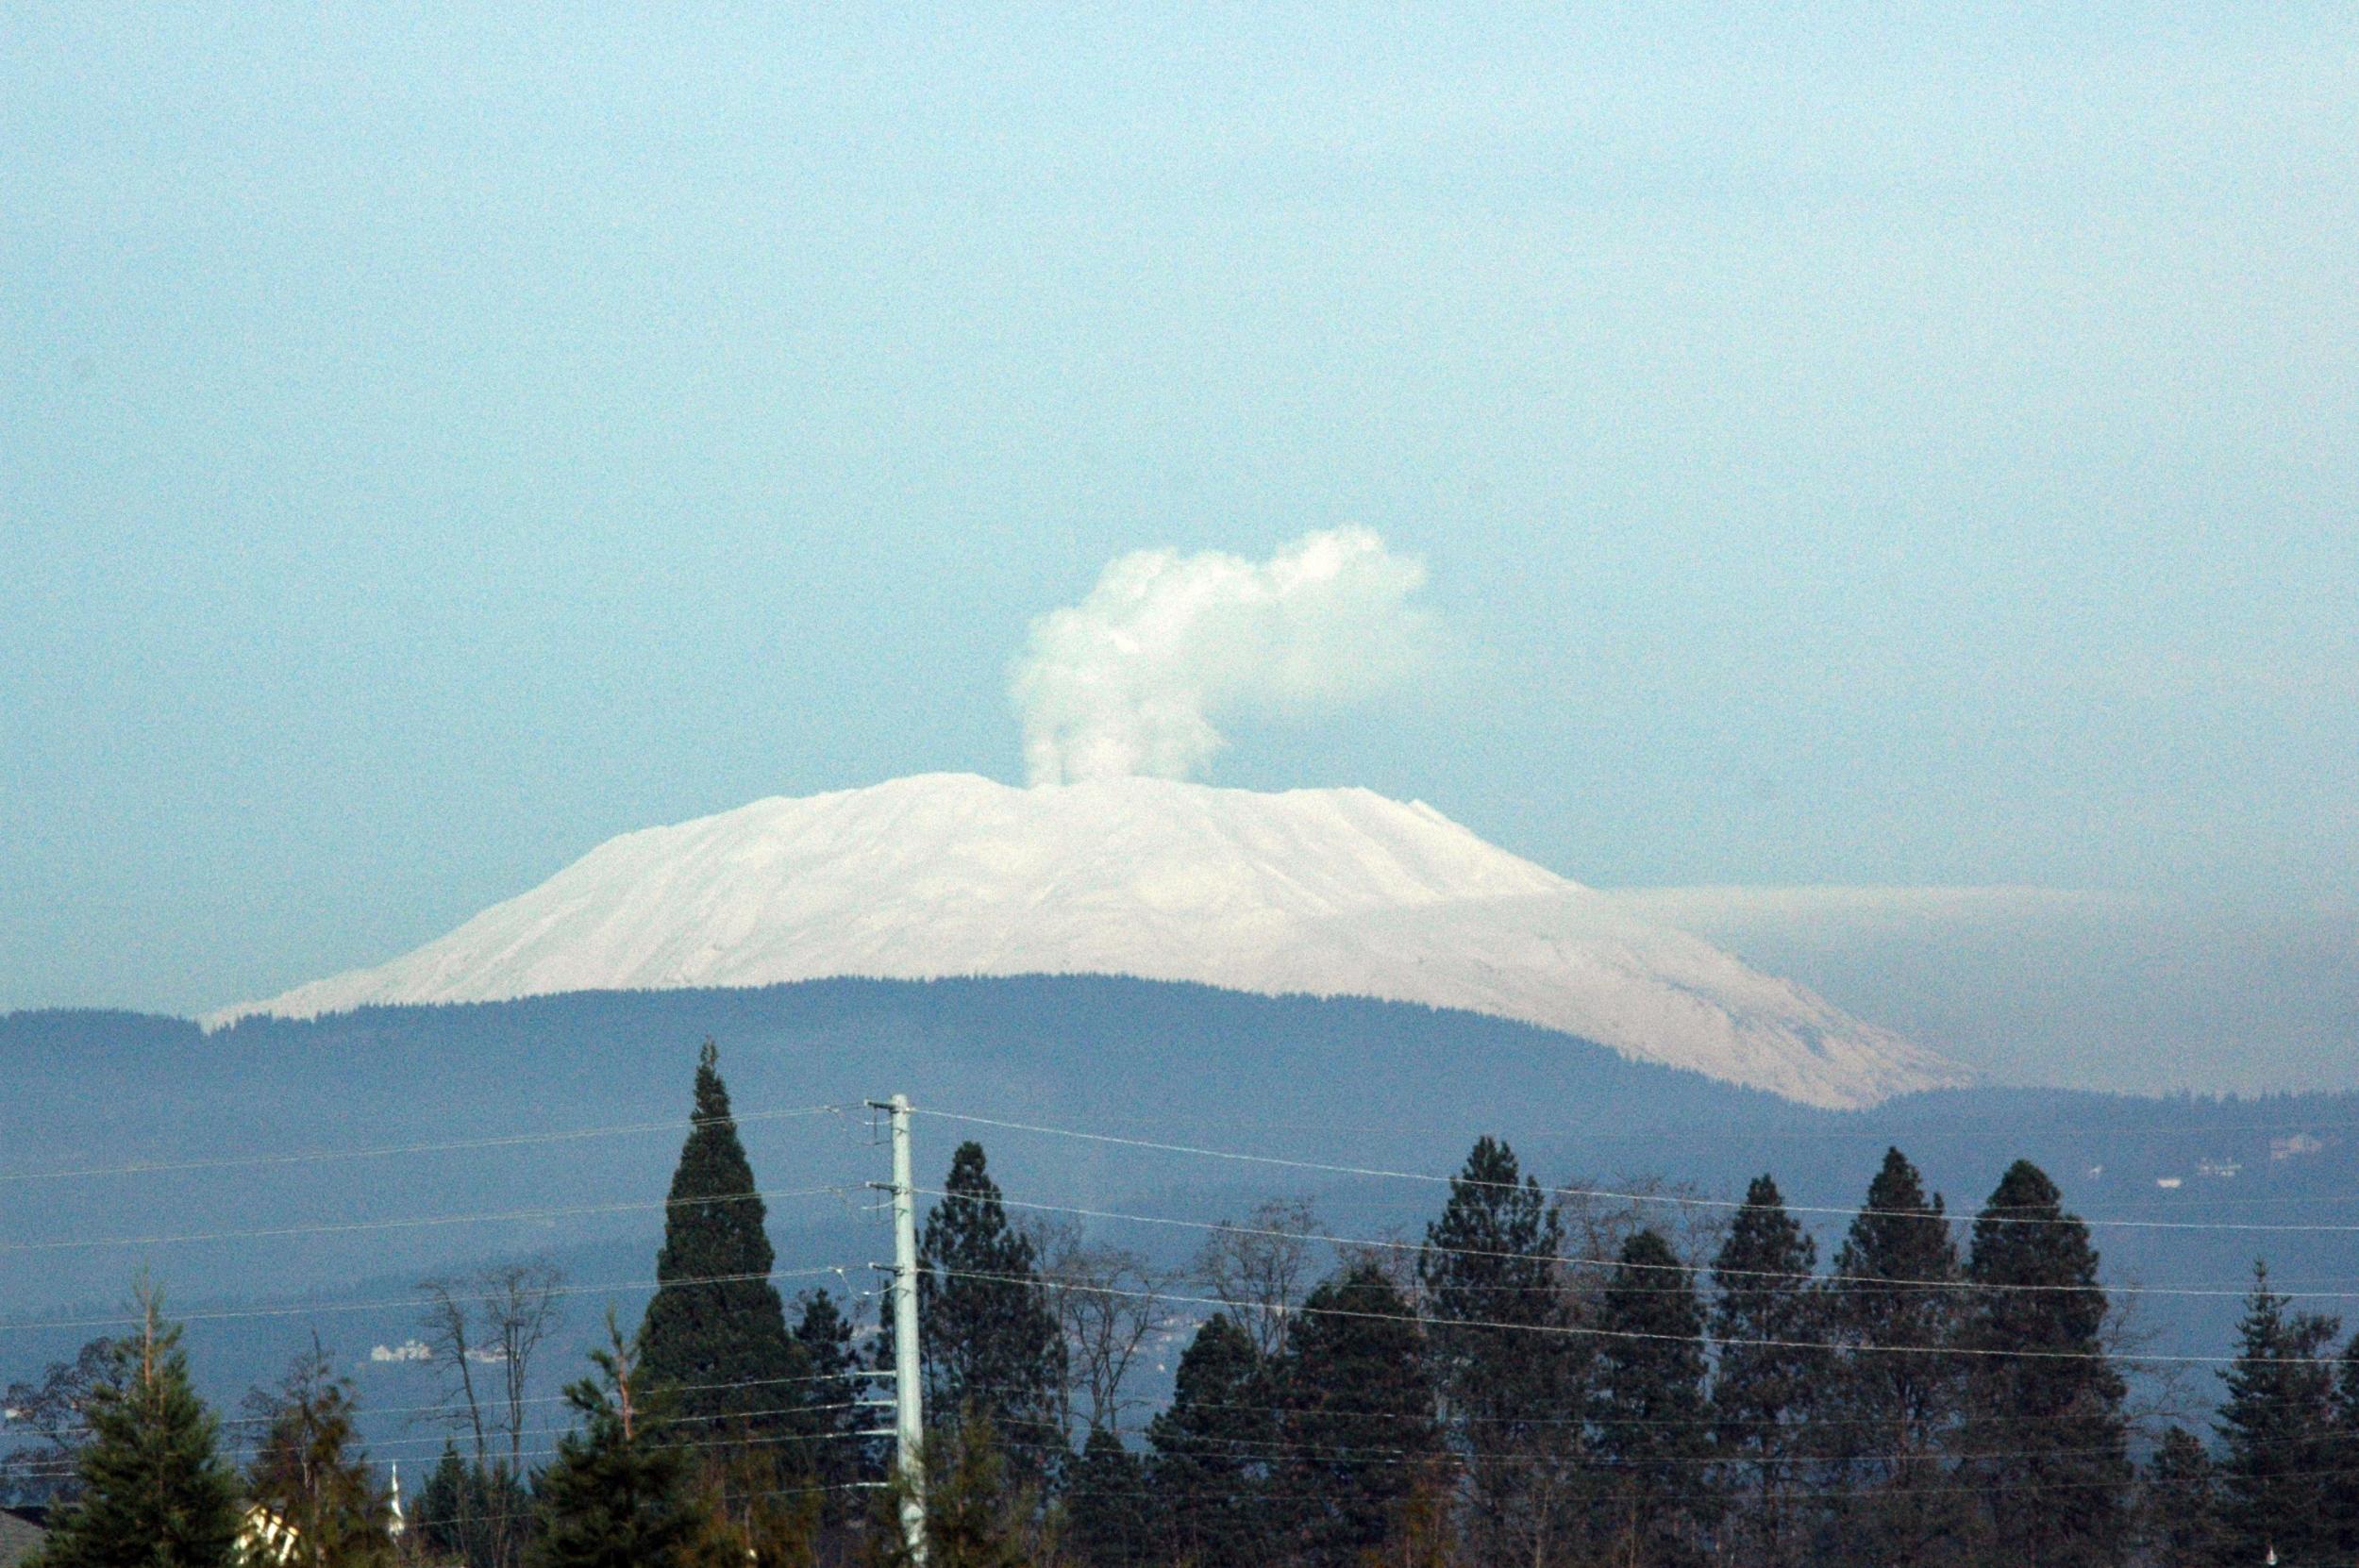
column 1319, row 891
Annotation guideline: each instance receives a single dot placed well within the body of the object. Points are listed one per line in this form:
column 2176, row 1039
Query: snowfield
column 1324, row 892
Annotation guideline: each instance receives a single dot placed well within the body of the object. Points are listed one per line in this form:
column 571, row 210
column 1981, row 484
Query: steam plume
column 1135, row 678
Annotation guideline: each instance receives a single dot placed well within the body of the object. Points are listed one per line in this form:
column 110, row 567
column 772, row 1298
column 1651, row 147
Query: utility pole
column 909, row 1414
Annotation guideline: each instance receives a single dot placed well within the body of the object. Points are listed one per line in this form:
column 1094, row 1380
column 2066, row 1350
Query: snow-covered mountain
column 1324, row 892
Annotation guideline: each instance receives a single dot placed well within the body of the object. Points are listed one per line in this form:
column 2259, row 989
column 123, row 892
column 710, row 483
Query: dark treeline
column 1549, row 1376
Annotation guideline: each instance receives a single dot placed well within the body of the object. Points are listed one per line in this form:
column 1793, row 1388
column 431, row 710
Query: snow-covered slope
column 1325, row 891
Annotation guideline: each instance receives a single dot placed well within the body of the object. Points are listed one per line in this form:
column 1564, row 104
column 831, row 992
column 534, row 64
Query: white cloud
column 1137, row 677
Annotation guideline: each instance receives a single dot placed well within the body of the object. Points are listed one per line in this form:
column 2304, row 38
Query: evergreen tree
column 989, row 1339
column 444, row 1506
column 1892, row 1305
column 1359, row 1417
column 1112, row 1524
column 155, row 1493
column 1768, row 1318
column 757, row 1512
column 2277, row 1432
column 2044, row 1403
column 977, row 1515
column 310, row 1479
column 1489, row 1269
column 715, row 1332
column 1654, row 1430
column 618, row 1495
column 2346, row 1459
column 2181, row 1523
column 1214, row 1448
column 824, row 1336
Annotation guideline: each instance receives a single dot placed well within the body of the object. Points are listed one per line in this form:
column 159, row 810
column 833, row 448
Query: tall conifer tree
column 1893, row 1304
column 991, row 1342
column 1360, row 1423
column 1489, row 1269
column 977, row 1514
column 310, row 1477
column 1112, row 1524
column 716, row 1330
column 2180, row 1511
column 155, row 1493
column 1654, row 1430
column 620, row 1494
column 1769, row 1317
column 824, row 1336
column 1213, row 1447
column 2277, row 1432
column 2346, row 1459
column 2044, row 1416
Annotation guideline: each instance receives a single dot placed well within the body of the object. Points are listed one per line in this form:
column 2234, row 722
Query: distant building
column 267, row 1538
column 2294, row 1146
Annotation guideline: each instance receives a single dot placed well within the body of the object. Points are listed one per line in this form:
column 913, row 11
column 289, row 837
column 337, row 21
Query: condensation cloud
column 1139, row 676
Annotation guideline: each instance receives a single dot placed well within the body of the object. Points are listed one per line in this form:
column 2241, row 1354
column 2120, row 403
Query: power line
column 1591, row 1261
column 1754, row 1134
column 48, row 1468
column 1680, row 1199
column 304, row 1156
column 250, row 1450
column 412, row 1222
column 360, row 1411
column 300, row 1308
column 1585, row 1331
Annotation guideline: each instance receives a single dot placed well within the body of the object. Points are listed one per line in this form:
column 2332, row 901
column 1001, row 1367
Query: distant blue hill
column 1342, row 1082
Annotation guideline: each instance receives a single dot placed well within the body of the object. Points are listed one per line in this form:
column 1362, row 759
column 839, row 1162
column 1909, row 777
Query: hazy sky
column 1901, row 446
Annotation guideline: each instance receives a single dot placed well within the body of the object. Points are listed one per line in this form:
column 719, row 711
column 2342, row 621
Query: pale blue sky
column 1902, row 447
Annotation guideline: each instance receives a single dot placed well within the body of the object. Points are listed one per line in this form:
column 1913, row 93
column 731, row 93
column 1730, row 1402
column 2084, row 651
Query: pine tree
column 444, row 1506
column 1489, row 1269
column 1893, row 1306
column 1213, row 1447
column 989, row 1339
column 310, row 1479
column 1360, row 1415
column 1768, row 1318
column 1112, row 1524
column 2180, row 1513
column 618, row 1495
column 2044, row 1403
column 977, row 1515
column 824, row 1336
column 1654, row 1430
column 757, row 1512
column 155, row 1493
column 2345, row 1456
column 715, row 1332
column 2277, row 1432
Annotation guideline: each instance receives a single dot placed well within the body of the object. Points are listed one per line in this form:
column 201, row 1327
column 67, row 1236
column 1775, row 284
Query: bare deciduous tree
column 520, row 1306
column 1108, row 1301
column 1257, row 1267
column 492, row 1317
column 1601, row 1215
column 449, row 1323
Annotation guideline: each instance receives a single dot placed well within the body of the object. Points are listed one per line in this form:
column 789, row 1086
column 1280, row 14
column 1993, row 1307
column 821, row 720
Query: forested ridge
column 1544, row 1374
